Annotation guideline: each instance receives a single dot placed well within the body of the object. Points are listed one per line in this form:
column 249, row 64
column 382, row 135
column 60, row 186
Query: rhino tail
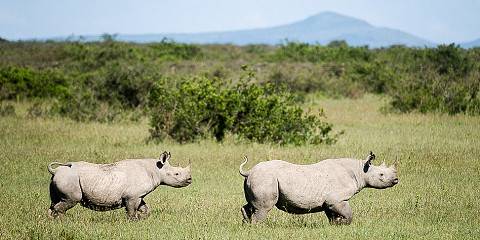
column 53, row 170
column 243, row 173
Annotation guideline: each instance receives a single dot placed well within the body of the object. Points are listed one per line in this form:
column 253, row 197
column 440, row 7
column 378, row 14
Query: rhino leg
column 59, row 209
column 259, row 215
column 132, row 205
column 143, row 210
column 65, row 193
column 339, row 213
column 247, row 211
column 264, row 196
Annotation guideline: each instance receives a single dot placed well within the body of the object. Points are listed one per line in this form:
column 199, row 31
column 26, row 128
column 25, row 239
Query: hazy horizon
column 436, row 21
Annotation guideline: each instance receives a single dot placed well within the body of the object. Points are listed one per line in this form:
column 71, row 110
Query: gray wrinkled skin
column 104, row 187
column 324, row 186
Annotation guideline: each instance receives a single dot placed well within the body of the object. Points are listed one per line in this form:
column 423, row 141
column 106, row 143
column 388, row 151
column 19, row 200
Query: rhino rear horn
column 395, row 164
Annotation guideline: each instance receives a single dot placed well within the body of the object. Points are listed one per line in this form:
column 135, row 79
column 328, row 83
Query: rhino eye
column 381, row 174
column 176, row 174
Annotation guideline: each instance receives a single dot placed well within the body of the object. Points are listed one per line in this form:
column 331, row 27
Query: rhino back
column 106, row 185
column 305, row 188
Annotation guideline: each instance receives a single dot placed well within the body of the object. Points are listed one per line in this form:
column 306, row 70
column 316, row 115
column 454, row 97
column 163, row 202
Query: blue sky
column 438, row 21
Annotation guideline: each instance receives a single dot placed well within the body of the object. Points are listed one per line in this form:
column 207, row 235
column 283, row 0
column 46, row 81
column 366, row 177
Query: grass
column 437, row 198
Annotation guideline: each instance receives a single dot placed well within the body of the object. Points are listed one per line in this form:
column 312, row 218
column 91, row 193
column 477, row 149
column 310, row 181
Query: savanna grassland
column 212, row 104
column 437, row 197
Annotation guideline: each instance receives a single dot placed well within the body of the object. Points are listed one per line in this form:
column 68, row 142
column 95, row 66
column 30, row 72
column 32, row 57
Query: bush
column 124, row 84
column 170, row 50
column 82, row 105
column 205, row 107
column 430, row 92
column 337, row 52
column 449, row 59
column 442, row 79
column 92, row 56
column 18, row 82
column 103, row 95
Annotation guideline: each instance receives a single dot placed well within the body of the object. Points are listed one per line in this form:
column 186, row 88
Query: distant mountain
column 321, row 28
column 474, row 43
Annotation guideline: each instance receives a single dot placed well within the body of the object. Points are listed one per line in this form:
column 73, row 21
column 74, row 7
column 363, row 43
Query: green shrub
column 124, row 84
column 443, row 79
column 104, row 94
column 207, row 107
column 429, row 92
column 374, row 77
column 82, row 105
column 304, row 52
column 92, row 56
column 170, row 50
column 449, row 59
column 18, row 82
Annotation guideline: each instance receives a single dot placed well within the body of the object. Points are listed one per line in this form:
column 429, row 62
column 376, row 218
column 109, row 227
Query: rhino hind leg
column 259, row 215
column 264, row 197
column 339, row 213
column 59, row 209
column 65, row 193
column 247, row 212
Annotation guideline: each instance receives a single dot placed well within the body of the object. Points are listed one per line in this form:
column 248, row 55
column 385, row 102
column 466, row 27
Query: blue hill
column 472, row 44
column 321, row 28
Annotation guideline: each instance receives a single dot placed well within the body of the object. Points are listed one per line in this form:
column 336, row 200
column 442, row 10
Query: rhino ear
column 370, row 158
column 160, row 164
column 164, row 157
column 366, row 166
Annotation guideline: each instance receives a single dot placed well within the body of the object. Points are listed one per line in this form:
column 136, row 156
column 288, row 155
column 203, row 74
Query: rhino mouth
column 187, row 182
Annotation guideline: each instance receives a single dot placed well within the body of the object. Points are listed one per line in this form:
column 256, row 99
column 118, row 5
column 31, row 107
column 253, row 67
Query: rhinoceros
column 104, row 187
column 299, row 189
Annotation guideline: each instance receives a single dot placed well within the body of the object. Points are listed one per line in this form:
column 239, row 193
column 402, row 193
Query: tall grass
column 437, row 197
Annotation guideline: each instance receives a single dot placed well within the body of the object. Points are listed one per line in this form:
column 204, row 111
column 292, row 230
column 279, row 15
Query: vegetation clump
column 444, row 79
column 202, row 107
column 101, row 81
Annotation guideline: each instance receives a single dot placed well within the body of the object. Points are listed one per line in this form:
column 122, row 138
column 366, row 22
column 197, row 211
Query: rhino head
column 173, row 176
column 379, row 176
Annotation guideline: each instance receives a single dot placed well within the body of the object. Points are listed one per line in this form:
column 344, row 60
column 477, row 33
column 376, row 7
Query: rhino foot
column 143, row 210
column 247, row 213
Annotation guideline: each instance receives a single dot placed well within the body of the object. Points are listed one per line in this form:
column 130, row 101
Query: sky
column 439, row 21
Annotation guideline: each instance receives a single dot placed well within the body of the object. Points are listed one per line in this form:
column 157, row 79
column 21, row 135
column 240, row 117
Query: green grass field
column 438, row 196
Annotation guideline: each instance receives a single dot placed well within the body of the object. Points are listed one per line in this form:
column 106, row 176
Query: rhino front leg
column 132, row 205
column 143, row 210
column 339, row 213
